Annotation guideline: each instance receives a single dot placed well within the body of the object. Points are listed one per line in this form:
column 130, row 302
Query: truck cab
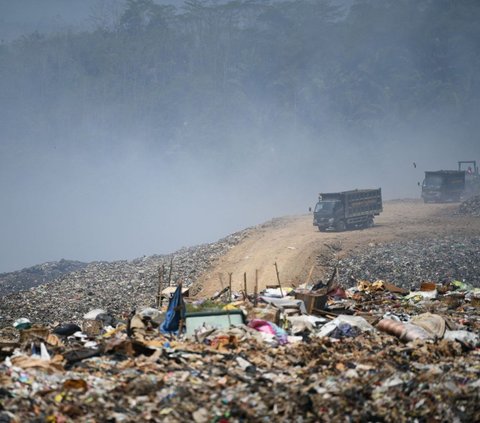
column 327, row 212
column 431, row 187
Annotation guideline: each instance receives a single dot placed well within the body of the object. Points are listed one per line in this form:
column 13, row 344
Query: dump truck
column 347, row 210
column 442, row 186
column 472, row 177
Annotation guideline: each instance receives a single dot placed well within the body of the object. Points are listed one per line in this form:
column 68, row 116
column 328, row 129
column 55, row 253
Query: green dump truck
column 347, row 210
column 443, row 186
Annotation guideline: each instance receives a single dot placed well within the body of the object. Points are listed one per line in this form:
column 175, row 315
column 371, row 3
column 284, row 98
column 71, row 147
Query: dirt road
column 295, row 244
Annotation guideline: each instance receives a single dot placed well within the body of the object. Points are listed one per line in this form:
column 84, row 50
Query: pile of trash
column 322, row 352
column 30, row 277
column 115, row 286
column 470, row 207
column 408, row 263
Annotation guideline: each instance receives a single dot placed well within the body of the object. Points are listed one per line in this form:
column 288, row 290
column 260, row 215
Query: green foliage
column 189, row 77
column 208, row 305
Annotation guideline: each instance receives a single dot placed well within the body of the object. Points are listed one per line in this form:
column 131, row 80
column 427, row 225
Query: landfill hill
column 410, row 242
column 118, row 286
column 40, row 274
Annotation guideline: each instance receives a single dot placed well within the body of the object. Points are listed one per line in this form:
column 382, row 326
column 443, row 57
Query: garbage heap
column 470, row 207
column 115, row 286
column 408, row 263
column 372, row 352
column 40, row 274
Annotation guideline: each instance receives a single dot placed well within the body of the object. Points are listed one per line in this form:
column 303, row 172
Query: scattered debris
column 392, row 335
column 376, row 355
column 470, row 207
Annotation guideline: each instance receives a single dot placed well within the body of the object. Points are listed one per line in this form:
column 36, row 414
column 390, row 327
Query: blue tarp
column 175, row 313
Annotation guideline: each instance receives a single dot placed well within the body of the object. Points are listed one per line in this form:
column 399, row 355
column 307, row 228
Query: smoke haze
column 97, row 165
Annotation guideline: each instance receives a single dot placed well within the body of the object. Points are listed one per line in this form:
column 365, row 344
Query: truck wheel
column 369, row 222
column 340, row 226
column 320, row 229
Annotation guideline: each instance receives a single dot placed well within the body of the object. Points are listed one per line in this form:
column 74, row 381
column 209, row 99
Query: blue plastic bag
column 175, row 313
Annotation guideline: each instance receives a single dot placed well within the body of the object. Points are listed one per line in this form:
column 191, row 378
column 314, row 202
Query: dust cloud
column 86, row 189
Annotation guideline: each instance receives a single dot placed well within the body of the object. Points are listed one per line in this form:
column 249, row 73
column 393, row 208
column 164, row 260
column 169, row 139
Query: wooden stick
column 230, row 285
column 332, row 279
column 218, row 294
column 180, row 327
column 278, row 279
column 160, row 286
column 309, row 275
column 170, row 272
column 255, row 294
column 324, row 313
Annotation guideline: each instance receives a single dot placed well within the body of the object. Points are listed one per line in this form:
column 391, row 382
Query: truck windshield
column 325, row 206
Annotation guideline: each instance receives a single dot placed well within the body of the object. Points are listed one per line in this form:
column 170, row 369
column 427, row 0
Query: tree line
column 190, row 78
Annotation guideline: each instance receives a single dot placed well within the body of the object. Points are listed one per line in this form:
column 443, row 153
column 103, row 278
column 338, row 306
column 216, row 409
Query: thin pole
column 256, row 288
column 160, row 285
column 170, row 272
column 309, row 275
column 230, row 285
column 245, row 284
column 278, row 279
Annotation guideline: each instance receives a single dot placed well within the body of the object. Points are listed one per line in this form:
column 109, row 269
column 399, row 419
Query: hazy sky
column 100, row 205
column 89, row 197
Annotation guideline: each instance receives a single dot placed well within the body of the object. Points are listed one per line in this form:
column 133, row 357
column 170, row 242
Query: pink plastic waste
column 262, row 326
column 270, row 328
